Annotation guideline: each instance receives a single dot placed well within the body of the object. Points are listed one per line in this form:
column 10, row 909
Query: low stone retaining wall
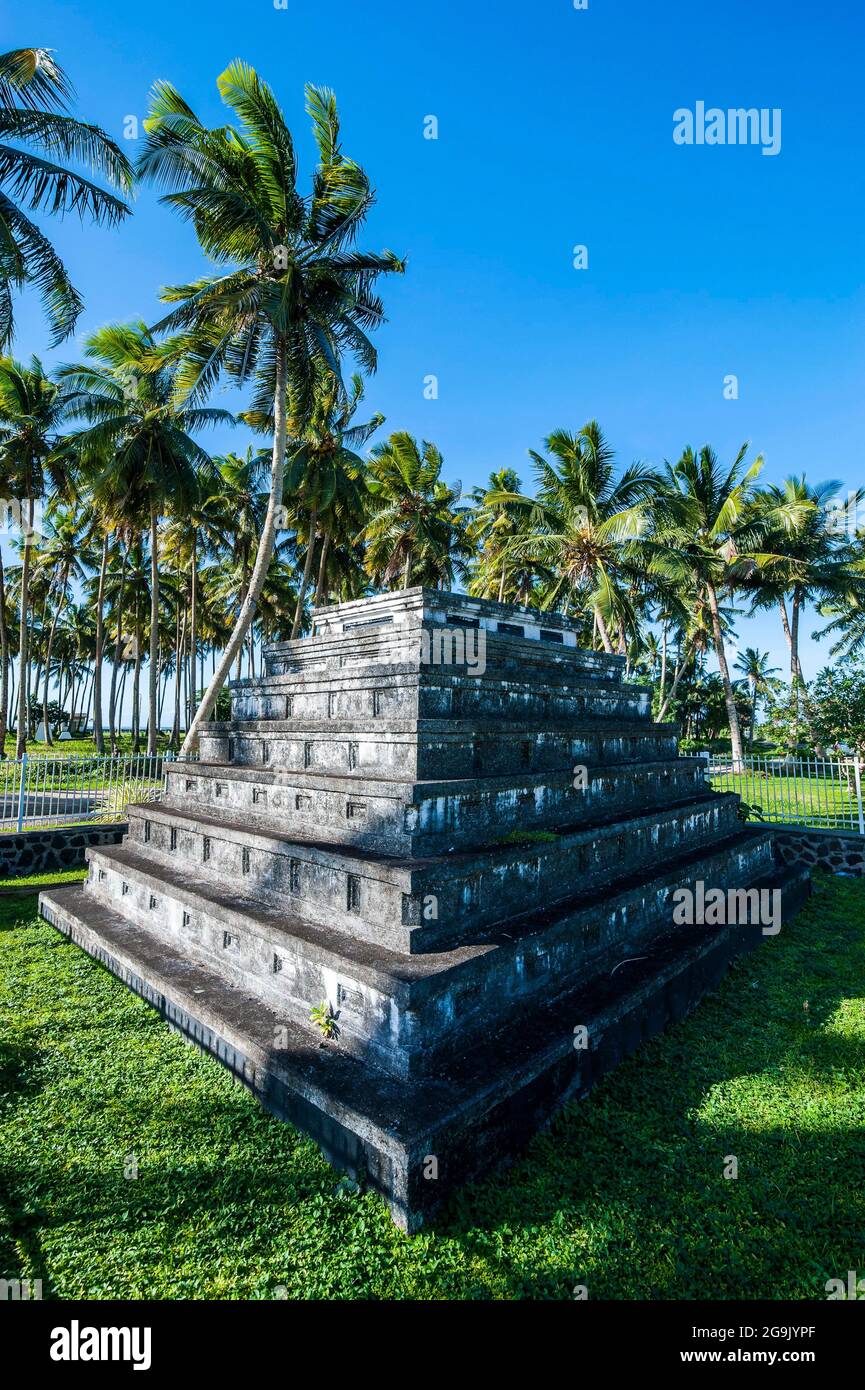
column 45, row 851
column 839, row 851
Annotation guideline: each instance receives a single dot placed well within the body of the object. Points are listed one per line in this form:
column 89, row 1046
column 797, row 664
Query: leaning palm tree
column 761, row 678
column 34, row 99
column 294, row 295
column 31, row 416
column 135, row 430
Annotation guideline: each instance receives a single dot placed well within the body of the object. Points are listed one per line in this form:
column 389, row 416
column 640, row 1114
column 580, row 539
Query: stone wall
column 46, row 851
column 839, row 851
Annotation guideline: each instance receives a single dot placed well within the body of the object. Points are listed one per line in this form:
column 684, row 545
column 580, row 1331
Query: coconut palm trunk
column 136, row 681
column 61, row 604
column 115, row 666
column 4, row 658
column 797, row 682
column 98, row 734
column 681, row 667
column 153, row 673
column 307, row 570
column 262, row 559
column 193, row 629
column 179, row 637
column 604, row 634
column 24, row 640
column 729, row 696
column 322, row 571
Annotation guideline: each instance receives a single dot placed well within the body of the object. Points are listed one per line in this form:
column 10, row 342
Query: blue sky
column 554, row 129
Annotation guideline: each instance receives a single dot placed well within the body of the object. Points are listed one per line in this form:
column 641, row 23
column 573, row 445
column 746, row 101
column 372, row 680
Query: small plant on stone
column 324, row 1018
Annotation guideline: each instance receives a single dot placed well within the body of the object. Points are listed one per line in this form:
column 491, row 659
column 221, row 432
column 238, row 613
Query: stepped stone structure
column 464, row 833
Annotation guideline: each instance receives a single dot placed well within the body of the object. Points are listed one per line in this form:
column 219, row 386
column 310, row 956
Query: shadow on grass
column 625, row 1194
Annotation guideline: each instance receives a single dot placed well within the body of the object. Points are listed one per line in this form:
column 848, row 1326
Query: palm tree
column 34, row 98
column 802, row 556
column 31, row 414
column 413, row 527
column 701, row 536
column 847, row 610
column 761, row 678
column 324, row 475
column 226, row 512
column 233, row 510
column 138, row 441
column 8, row 645
column 584, row 526
column 64, row 556
column 494, row 525
column 692, row 634
column 296, row 293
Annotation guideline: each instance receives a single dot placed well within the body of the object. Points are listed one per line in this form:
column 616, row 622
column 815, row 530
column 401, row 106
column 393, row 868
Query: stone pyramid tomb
column 460, row 833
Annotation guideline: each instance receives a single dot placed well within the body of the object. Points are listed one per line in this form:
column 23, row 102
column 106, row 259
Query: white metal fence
column 41, row 791
column 822, row 792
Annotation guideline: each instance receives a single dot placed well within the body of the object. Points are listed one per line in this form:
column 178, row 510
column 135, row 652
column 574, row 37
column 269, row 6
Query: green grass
column 44, row 880
column 624, row 1195
column 816, row 801
column 64, row 747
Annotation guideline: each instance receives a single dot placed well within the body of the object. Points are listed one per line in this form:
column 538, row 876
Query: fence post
column 857, row 772
column 21, row 793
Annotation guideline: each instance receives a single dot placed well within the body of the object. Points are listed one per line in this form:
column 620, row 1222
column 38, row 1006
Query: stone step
column 425, row 817
column 431, row 647
column 439, row 629
column 403, row 1013
column 432, row 748
column 407, row 692
column 398, row 1136
column 429, row 904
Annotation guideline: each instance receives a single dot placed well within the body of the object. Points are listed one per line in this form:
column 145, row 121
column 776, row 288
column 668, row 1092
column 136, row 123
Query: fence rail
column 39, row 791
column 822, row 792
column 42, row 791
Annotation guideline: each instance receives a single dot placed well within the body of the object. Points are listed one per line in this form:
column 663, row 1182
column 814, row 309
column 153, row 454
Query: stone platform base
column 416, row 1142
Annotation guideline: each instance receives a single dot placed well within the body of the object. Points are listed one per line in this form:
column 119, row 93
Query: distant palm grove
column 149, row 566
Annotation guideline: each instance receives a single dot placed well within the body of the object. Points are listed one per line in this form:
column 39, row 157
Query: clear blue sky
column 555, row 128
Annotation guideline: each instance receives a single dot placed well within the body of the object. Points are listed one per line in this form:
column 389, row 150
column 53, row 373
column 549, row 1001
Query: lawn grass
column 822, row 802
column 44, row 880
column 625, row 1195
column 64, row 747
